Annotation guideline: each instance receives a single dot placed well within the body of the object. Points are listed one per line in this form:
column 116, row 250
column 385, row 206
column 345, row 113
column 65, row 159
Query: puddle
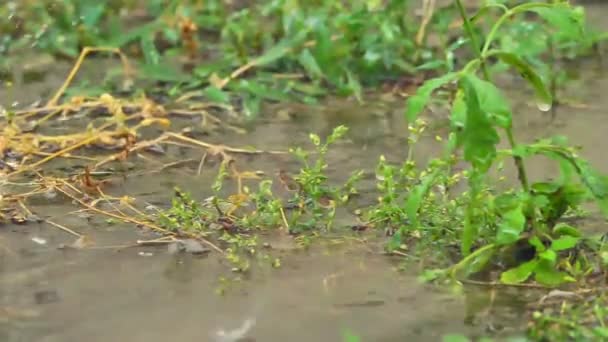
column 146, row 294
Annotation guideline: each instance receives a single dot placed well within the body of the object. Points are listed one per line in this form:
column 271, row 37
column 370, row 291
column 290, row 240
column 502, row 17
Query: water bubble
column 543, row 106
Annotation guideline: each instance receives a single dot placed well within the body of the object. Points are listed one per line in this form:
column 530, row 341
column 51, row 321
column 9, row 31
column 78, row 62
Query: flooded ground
column 111, row 293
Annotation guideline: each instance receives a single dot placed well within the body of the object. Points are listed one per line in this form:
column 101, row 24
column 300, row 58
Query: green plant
column 315, row 199
column 237, row 51
column 185, row 214
column 583, row 320
column 414, row 203
column 520, row 221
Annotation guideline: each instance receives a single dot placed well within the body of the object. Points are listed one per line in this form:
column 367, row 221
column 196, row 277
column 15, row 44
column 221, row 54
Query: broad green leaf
column 512, row 224
column 474, row 262
column 563, row 229
column 535, row 241
column 416, row 103
column 491, row 101
column 519, row 274
column 543, row 94
column 549, row 256
column 479, row 138
column 507, row 201
column 546, row 274
column 216, row 95
column 564, row 242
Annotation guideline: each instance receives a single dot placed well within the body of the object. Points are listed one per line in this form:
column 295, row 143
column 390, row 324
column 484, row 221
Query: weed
column 521, row 221
column 578, row 321
column 315, row 200
column 321, row 45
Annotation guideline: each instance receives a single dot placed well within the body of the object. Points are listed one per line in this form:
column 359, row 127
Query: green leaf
column 161, row 72
column 354, row 85
column 549, row 256
column 136, row 33
column 519, row 274
column 251, row 106
column 512, row 224
column 568, row 21
column 479, row 137
column 535, row 241
column 91, row 13
column 491, row 101
column 259, row 89
column 280, row 50
column 546, row 274
column 458, row 116
column 148, row 48
column 563, row 229
column 595, row 182
column 469, row 231
column 216, row 95
column 474, row 262
column 543, row 94
column 416, row 197
column 308, row 61
column 416, row 103
column 564, row 242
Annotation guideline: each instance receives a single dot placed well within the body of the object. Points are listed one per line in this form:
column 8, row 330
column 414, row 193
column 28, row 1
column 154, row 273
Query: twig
column 64, row 228
column 54, row 155
column 221, row 147
column 200, row 165
column 428, row 9
column 284, row 218
column 83, row 54
column 134, row 221
column 497, row 284
column 160, row 241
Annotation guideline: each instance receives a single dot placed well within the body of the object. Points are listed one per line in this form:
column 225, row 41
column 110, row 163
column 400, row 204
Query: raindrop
column 543, row 107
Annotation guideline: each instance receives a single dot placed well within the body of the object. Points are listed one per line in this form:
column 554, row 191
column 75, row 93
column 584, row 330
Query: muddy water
column 110, row 293
column 146, row 294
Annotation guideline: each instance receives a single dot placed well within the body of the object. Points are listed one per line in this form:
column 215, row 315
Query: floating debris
column 188, row 245
column 46, row 297
column 39, row 240
column 236, row 334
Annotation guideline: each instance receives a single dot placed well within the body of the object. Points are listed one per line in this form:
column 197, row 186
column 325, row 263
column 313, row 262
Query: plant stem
column 474, row 44
column 519, row 163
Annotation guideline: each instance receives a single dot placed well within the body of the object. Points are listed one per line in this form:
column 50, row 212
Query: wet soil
column 146, row 294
